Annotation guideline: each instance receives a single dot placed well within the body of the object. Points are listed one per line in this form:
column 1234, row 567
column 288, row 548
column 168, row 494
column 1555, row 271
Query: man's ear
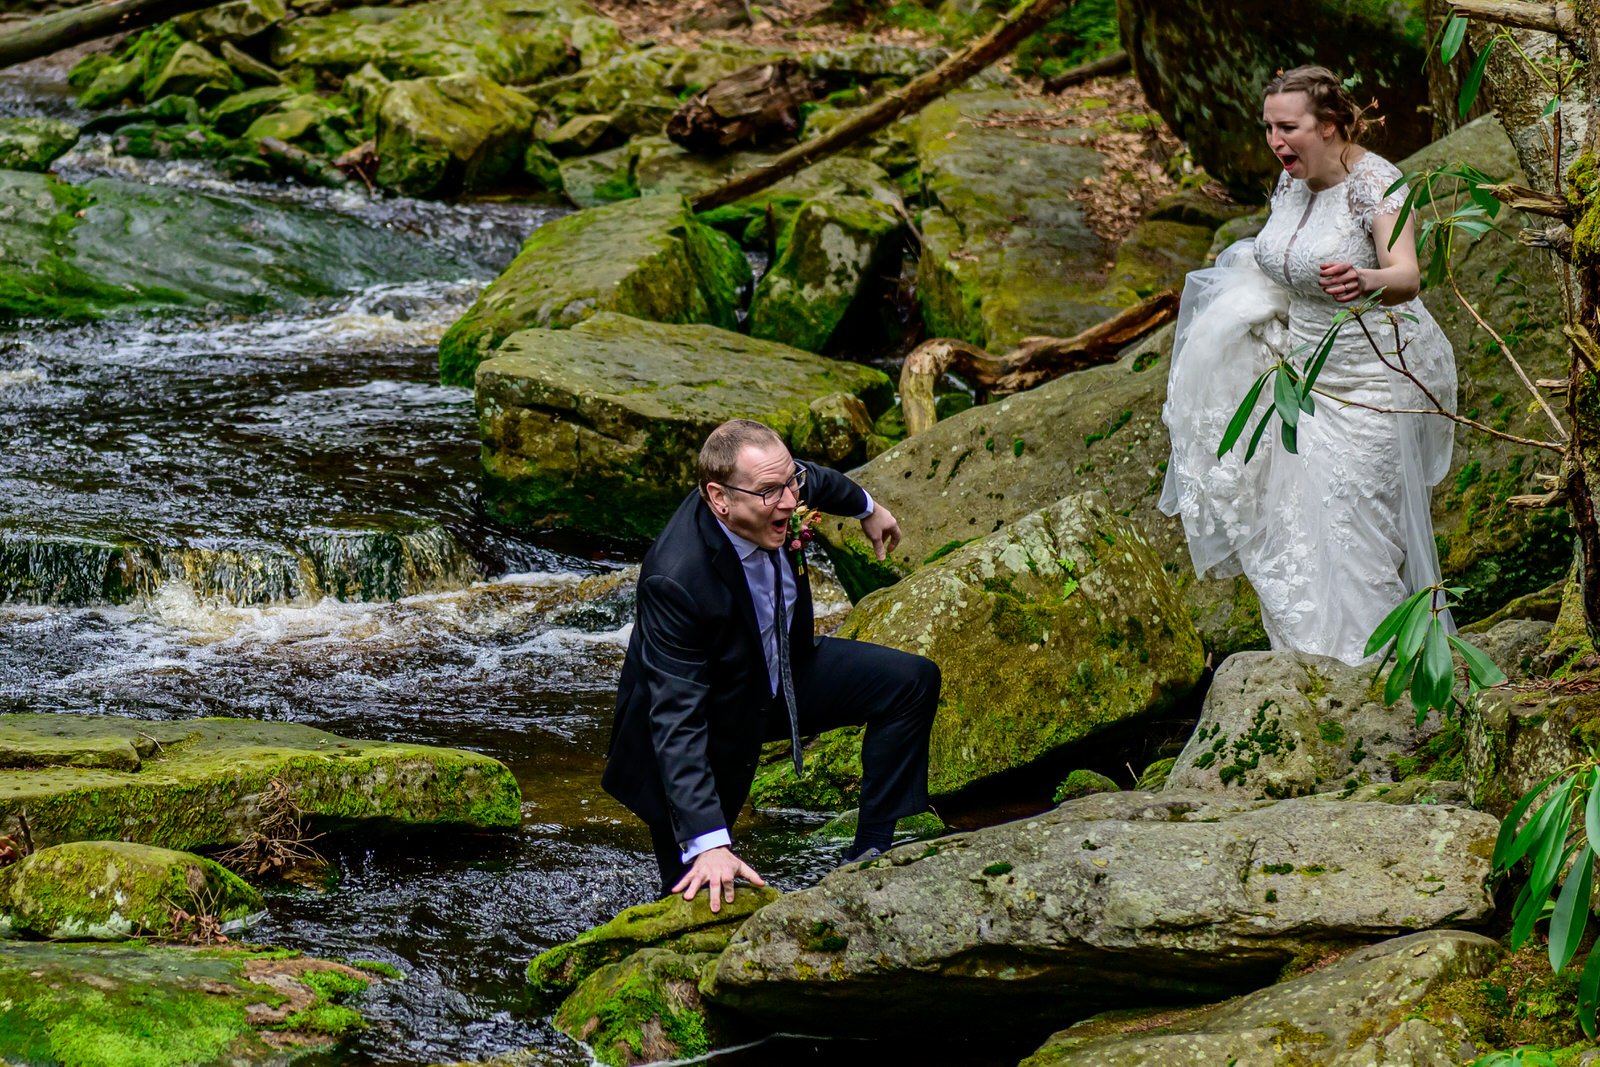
column 716, row 496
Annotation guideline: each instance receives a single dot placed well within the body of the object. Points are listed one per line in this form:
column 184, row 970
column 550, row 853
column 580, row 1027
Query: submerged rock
column 598, row 426
column 169, row 1006
column 33, row 143
column 1068, row 605
column 72, row 252
column 1278, row 724
column 114, row 890
column 1112, row 899
column 209, row 783
column 647, row 258
column 1358, row 1010
column 460, row 133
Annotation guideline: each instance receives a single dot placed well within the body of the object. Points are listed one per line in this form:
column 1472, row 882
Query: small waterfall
column 387, row 560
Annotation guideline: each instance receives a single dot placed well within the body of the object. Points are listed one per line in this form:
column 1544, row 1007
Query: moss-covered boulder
column 669, row 923
column 80, row 251
column 209, row 783
column 512, row 42
column 459, row 133
column 645, row 1009
column 1203, row 68
column 598, row 426
column 170, row 1006
column 319, row 125
column 1517, row 738
column 1279, row 724
column 1362, row 1008
column 232, row 22
column 1068, row 605
column 34, row 143
column 233, row 115
column 114, row 890
column 647, row 258
column 190, row 70
column 835, row 253
column 1111, row 899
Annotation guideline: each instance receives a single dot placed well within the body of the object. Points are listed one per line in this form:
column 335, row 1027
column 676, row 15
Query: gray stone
column 598, row 426
column 1350, row 1013
column 1112, row 897
column 1280, row 724
column 1516, row 738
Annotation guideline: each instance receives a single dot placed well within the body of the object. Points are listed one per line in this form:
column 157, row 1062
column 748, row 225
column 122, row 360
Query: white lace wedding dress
column 1333, row 537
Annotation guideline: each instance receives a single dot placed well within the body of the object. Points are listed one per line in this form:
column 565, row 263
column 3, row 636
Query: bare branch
column 1583, row 344
column 1555, row 499
column 1557, row 238
column 1505, row 351
column 1558, row 19
column 1115, row 63
column 1548, row 446
column 1531, row 200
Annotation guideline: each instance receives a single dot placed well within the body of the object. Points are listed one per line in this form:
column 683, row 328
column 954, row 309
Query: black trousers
column 849, row 683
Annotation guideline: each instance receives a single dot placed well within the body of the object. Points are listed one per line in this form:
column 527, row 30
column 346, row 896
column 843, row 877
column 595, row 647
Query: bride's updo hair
column 1330, row 100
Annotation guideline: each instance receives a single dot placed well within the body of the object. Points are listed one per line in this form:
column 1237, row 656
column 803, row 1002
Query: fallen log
column 302, row 164
column 1033, row 362
column 910, row 98
column 49, row 34
column 754, row 106
column 1115, row 63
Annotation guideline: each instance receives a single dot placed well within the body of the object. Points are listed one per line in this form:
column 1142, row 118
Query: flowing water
column 276, row 517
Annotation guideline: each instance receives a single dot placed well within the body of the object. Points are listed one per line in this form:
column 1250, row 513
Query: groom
column 722, row 658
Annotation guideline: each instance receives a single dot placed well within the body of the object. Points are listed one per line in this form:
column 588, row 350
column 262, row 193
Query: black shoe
column 866, row 854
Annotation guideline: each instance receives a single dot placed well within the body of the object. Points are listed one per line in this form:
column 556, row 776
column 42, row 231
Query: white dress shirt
column 758, row 574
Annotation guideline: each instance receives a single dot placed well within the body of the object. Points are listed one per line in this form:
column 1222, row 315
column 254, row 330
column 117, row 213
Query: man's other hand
column 716, row 869
column 882, row 529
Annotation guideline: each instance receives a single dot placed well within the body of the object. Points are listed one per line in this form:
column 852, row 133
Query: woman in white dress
column 1334, row 535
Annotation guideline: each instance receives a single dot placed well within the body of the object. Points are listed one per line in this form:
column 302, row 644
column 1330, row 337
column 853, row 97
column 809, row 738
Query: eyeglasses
column 768, row 497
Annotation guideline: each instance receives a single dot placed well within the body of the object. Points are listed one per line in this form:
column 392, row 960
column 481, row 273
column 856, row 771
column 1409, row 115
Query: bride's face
column 1308, row 149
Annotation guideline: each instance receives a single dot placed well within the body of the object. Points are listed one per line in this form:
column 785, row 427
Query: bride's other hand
column 1342, row 281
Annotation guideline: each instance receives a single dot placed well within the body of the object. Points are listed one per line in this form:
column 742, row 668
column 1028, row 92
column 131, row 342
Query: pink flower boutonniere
column 802, row 528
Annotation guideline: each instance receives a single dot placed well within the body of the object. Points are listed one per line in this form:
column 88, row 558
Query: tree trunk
column 1033, row 362
column 1115, row 63
column 1548, row 150
column 903, row 101
column 50, row 34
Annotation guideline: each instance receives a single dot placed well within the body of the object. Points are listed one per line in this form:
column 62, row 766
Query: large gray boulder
column 1358, row 1010
column 1203, row 68
column 598, row 426
column 1279, row 724
column 1068, row 605
column 1107, row 900
column 648, row 258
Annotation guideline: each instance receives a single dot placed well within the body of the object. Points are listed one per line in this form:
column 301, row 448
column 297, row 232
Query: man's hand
column 716, row 868
column 882, row 529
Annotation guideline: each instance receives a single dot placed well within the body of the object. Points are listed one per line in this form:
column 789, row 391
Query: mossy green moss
column 1519, row 1003
column 643, row 1009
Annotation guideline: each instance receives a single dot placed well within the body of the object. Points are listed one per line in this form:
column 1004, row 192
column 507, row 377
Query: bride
column 1335, row 534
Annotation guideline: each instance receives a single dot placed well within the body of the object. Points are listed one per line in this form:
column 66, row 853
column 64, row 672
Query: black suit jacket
column 694, row 686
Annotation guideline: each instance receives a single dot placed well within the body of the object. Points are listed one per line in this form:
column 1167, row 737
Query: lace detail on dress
column 1369, row 179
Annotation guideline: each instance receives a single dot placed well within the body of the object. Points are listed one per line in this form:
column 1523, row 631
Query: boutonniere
column 802, row 528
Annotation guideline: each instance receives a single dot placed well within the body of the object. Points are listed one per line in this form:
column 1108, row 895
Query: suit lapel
column 725, row 561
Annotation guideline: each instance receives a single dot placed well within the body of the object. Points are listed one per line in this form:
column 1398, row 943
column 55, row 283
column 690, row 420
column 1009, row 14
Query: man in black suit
column 711, row 674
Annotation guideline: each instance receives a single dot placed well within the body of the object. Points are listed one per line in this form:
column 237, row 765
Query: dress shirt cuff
column 705, row 843
column 871, row 507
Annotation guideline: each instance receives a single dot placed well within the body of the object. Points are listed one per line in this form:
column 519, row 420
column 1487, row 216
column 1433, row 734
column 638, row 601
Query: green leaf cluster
column 1418, row 638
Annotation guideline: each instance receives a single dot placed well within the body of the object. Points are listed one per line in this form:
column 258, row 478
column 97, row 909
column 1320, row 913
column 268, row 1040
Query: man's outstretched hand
column 716, row 869
column 882, row 529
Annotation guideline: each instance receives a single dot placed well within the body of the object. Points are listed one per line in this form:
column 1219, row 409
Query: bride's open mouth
column 1288, row 161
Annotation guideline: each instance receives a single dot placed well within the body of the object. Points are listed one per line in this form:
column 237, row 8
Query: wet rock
column 1357, row 1010
column 1112, row 899
column 190, row 70
column 73, row 252
column 461, row 133
column 512, row 42
column 597, row 426
column 918, row 827
column 670, row 923
column 834, row 255
column 308, row 121
column 34, row 143
column 582, row 135
column 834, row 428
column 645, row 1009
column 238, row 21
column 1069, row 605
column 601, row 178
column 1178, row 50
column 1279, row 724
column 648, row 258
column 208, row 783
column 169, row 1006
column 1083, row 783
column 114, row 890
column 234, row 114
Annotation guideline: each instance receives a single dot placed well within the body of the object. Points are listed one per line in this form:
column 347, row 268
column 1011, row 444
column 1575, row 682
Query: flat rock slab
column 1109, row 900
column 207, row 783
column 598, row 426
column 98, row 1005
column 1351, row 1012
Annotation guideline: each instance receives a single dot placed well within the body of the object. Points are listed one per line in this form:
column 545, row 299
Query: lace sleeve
column 1368, row 182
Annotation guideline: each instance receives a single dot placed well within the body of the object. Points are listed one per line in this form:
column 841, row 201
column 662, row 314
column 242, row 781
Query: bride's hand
column 1342, row 281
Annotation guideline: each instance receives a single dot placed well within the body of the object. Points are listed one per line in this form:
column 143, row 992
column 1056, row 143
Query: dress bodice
column 1307, row 229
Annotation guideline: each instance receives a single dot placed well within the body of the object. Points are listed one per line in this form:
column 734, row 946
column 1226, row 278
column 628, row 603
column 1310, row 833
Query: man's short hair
column 719, row 456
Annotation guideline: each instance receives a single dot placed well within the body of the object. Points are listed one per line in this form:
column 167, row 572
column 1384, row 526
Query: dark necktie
column 785, row 675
